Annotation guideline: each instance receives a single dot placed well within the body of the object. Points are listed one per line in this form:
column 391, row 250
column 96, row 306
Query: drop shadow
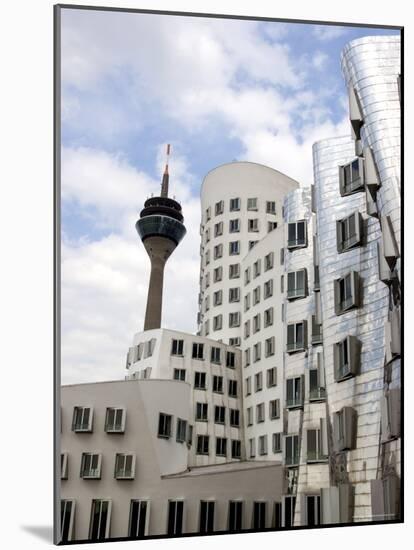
column 43, row 532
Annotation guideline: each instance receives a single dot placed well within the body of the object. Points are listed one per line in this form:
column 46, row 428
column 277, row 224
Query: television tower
column 160, row 228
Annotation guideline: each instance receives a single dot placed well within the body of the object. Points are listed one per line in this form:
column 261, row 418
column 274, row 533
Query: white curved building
column 241, row 202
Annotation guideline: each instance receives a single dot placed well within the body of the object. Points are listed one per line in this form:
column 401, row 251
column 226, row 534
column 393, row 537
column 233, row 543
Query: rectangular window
column 347, row 292
column 256, row 268
column 138, row 518
column 256, row 295
column 316, row 384
column 208, row 214
column 271, row 377
column 202, row 444
column 234, row 319
column 217, row 384
column 200, row 380
column 282, row 256
column 124, row 466
column 215, row 355
column 221, row 446
column 67, row 515
column 247, row 357
column 312, row 510
column 207, row 328
column 270, row 346
column 234, row 205
column 235, row 448
column 91, row 466
column 63, row 465
column 270, row 207
column 263, row 445
column 218, row 229
column 250, row 416
column 317, row 336
column 253, row 225
column 234, row 294
column 257, row 351
column 164, row 425
column 296, row 284
column 99, row 525
column 82, row 419
column 149, row 347
column 181, row 433
column 115, row 420
column 232, row 388
column 351, row 177
column 235, row 516
column 277, row 515
column 234, row 271
column 259, row 515
column 207, row 257
column 207, row 280
column 218, row 322
column 247, row 329
column 234, row 342
column 218, row 251
column 217, row 274
column 175, row 517
column 271, row 226
column 268, row 288
column 252, row 447
column 292, row 450
column 314, row 452
column 219, row 208
column 247, row 276
column 294, row 392
column 235, row 418
column 218, row 298
column 260, row 417
column 198, row 351
column 207, row 303
column 234, row 226
column 207, row 516
column 268, row 317
column 390, row 407
column 289, row 510
column 248, row 381
column 219, row 414
column 179, row 374
column 346, row 358
column 234, row 248
column 297, row 234
column 230, row 359
column 344, row 429
column 296, row 337
column 256, row 323
column 349, row 232
column 207, row 235
column 268, row 261
column 252, row 204
column 201, row 412
column 274, row 409
column 277, row 442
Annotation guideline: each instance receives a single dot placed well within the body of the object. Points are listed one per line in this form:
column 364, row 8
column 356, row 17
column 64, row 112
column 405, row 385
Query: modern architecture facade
column 284, row 409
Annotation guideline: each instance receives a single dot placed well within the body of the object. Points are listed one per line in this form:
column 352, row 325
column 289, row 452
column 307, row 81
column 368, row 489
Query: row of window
column 198, row 352
column 82, row 420
column 274, row 412
column 201, row 414
column 141, row 351
column 235, row 226
column 255, row 352
column 138, row 524
column 235, row 206
column 91, row 466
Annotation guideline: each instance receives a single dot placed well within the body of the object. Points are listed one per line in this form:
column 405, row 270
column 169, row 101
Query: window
column 247, row 276
column 256, row 323
column 390, row 407
column 349, row 232
column 200, row 380
column 247, row 329
column 234, row 205
column 190, row 435
column 207, row 280
column 347, row 292
column 317, row 337
column 268, row 261
column 260, row 416
column 207, row 328
column 259, row 515
column 217, row 274
column 207, row 516
column 67, row 515
column 235, row 418
column 221, row 446
column 346, row 358
column 198, row 351
column 256, row 268
column 124, row 466
column 256, row 295
column 219, row 208
column 268, row 317
column 175, row 517
column 234, row 226
column 201, row 412
column 234, row 319
column 316, row 445
column 207, row 303
column 296, row 284
column 277, row 442
column 115, row 420
column 218, row 251
column 234, row 248
column 234, row 271
column 91, row 466
column 235, row 516
column 230, row 359
column 282, row 256
column 271, row 226
column 181, row 432
column 207, row 257
column 234, row 342
column 218, row 229
column 149, row 347
column 247, row 357
column 250, row 416
column 232, row 388
column 63, row 465
column 219, row 414
column 252, row 447
column 235, row 448
column 82, row 419
column 208, row 214
column 274, row 409
column 257, row 351
column 385, row 500
column 271, row 377
column 297, row 337
column 218, row 298
column 316, row 282
column 277, row 515
column 100, row 519
column 138, row 518
column 202, row 444
column 292, row 450
column 312, row 510
column 294, row 392
column 317, row 381
column 215, row 355
column 263, row 445
column 248, row 385
column 270, row 207
column 297, row 234
column 179, row 374
column 253, row 225
column 344, row 429
column 351, row 177
column 269, row 346
column 164, row 425
column 258, row 381
column 252, row 204
column 234, row 294
column 218, row 322
column 268, row 289
column 289, row 510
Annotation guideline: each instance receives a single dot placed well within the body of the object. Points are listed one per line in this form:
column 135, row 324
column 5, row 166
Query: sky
column 218, row 90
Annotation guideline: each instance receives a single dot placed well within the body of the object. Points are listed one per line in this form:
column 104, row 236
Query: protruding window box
column 344, row 429
column 82, row 419
column 297, row 284
column 297, row 235
column 351, row 177
column 295, row 392
column 317, row 335
column 296, row 337
column 390, row 406
column 292, row 453
column 347, row 293
column 115, row 421
column 346, row 358
column 124, row 466
column 349, row 232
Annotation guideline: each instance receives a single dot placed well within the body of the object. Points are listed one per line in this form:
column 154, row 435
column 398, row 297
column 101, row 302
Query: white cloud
column 328, row 32
column 319, row 60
